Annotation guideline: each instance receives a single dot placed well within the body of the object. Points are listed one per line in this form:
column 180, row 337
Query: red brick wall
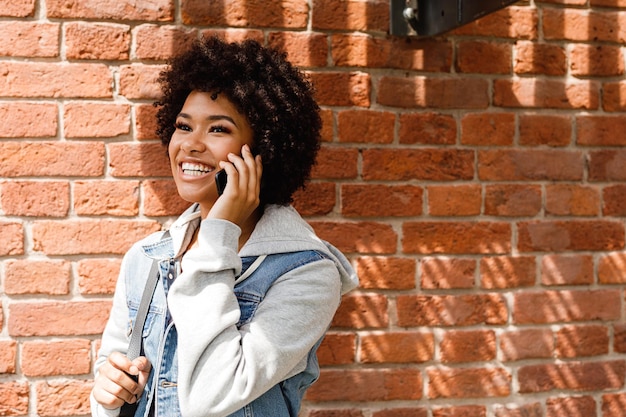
column 476, row 180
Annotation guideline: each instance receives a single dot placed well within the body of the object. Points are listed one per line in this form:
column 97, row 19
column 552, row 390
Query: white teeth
column 195, row 169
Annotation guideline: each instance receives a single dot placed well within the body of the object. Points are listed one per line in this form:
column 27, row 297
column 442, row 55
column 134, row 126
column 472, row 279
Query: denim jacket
column 251, row 374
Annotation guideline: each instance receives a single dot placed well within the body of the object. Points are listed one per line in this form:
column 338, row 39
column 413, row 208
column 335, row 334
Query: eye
column 182, row 126
column 219, row 129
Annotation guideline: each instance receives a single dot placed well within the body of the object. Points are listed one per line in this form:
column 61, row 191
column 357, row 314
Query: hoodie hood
column 282, row 229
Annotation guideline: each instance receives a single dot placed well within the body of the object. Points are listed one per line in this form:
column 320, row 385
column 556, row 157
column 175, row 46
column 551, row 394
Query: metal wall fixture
column 433, row 17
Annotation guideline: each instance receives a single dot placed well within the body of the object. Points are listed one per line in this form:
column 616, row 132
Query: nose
column 193, row 144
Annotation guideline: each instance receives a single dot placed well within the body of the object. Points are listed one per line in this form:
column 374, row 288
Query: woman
column 247, row 290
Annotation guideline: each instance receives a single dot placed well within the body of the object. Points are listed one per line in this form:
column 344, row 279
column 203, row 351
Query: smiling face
column 207, row 130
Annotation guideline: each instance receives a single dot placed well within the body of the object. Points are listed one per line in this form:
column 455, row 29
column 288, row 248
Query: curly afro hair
column 270, row 92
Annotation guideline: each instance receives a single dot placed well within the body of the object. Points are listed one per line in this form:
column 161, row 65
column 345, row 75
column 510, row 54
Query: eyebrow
column 211, row 118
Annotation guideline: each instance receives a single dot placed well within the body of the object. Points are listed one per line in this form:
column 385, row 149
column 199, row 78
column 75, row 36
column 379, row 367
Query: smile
column 195, row 169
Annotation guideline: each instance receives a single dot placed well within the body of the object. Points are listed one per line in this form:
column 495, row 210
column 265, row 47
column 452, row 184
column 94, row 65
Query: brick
column 427, row 92
column 447, row 273
column 49, row 80
column 468, row 383
column 607, row 165
column 539, row 59
column 317, row 199
column 145, row 121
column 8, row 357
column 582, row 341
column 460, row 411
column 35, row 198
column 352, row 15
column 328, row 125
column 102, row 236
column 614, row 200
column 443, row 237
column 362, row 311
column 418, row 164
column 366, row 385
column 342, row 88
column 97, row 276
column 371, row 200
column 304, row 49
column 513, row 200
column 427, row 128
column 613, row 405
column 246, row 13
column 386, row 272
column 496, row 57
column 29, row 39
column 22, row 159
column 458, row 346
column 488, row 129
column 600, row 130
column 596, row 60
column 11, row 238
column 116, row 198
column 337, row 349
column 63, row 357
column 95, row 120
column 358, row 237
column 24, row 276
column 397, row 347
column 14, row 397
column 93, row 40
column 572, row 200
column 454, row 200
column 139, row 81
column 63, row 397
column 614, row 96
column 611, row 268
column 160, row 198
column 571, row 407
column 336, row 163
column 158, row 43
column 507, row 272
column 63, row 318
column 128, row 159
column 565, row 306
column 150, row 10
column 567, row 270
column 402, row 412
column 559, row 236
column 36, row 120
column 600, row 25
column 365, row 126
column 578, row 376
column 530, row 165
column 17, row 8
column 550, row 130
column 236, row 35
column 519, row 410
column 362, row 50
column 518, row 345
column 451, row 310
column 546, row 93
column 333, row 412
column 511, row 22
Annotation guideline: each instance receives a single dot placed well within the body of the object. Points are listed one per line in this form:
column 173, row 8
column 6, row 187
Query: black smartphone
column 220, row 181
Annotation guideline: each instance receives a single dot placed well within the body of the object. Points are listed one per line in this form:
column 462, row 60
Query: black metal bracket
column 432, row 17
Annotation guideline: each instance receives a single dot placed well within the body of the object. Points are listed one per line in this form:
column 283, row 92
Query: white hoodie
column 221, row 367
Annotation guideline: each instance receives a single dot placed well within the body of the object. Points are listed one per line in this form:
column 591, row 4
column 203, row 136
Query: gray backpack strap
column 134, row 346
